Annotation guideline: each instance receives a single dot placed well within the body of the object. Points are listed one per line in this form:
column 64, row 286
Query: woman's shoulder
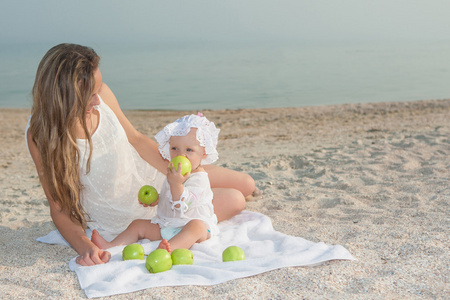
column 110, row 100
column 107, row 95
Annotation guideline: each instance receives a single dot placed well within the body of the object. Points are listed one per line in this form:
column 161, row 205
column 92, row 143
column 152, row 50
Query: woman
column 89, row 157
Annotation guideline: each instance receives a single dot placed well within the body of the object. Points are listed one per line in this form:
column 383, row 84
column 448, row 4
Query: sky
column 83, row 21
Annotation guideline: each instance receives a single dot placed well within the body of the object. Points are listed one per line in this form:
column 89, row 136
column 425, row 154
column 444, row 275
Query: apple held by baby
column 148, row 194
column 185, row 164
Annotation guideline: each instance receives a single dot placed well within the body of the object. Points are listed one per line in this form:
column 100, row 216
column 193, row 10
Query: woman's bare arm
column 72, row 232
column 146, row 147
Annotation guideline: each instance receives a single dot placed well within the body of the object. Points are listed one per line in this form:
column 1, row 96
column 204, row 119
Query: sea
column 213, row 75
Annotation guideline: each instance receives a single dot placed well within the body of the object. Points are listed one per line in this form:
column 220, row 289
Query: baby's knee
column 200, row 228
column 199, row 224
column 138, row 224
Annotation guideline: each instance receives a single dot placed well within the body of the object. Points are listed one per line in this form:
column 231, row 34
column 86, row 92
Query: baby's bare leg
column 99, row 241
column 137, row 230
column 193, row 232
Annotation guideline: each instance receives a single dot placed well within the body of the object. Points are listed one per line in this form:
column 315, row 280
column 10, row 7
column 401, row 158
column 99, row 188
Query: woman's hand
column 93, row 256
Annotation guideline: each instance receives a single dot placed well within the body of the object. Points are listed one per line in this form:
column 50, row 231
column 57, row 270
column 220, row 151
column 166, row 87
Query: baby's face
column 189, row 147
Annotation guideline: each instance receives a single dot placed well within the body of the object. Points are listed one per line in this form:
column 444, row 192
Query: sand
column 373, row 178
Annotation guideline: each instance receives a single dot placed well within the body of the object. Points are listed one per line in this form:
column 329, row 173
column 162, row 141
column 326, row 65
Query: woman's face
column 98, row 86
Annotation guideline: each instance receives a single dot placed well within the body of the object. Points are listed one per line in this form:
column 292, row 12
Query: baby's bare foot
column 98, row 240
column 165, row 245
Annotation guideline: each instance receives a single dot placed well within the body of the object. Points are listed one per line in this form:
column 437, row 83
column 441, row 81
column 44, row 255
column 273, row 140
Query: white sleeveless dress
column 110, row 189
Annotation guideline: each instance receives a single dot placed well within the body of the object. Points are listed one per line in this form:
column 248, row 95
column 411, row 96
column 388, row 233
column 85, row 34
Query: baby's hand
column 176, row 180
column 174, row 176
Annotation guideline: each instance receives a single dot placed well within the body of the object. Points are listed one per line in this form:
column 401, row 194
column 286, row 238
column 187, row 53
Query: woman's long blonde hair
column 62, row 90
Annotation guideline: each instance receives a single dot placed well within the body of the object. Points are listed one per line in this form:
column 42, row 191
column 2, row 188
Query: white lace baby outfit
column 194, row 203
column 110, row 193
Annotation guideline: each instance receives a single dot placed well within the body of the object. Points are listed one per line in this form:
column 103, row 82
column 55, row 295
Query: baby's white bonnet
column 207, row 135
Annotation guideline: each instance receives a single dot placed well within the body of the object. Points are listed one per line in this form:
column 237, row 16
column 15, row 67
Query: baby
column 185, row 213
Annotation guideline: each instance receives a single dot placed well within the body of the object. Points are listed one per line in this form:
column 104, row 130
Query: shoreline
column 371, row 177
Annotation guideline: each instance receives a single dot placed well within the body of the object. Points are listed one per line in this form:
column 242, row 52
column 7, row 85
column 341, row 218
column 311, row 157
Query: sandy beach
column 373, row 178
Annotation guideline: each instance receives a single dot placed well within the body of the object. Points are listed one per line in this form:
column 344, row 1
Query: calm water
column 201, row 76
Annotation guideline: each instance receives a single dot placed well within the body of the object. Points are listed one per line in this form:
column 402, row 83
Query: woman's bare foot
column 256, row 195
column 98, row 240
column 165, row 245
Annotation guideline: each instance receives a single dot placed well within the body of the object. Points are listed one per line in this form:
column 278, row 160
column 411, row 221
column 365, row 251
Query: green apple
column 182, row 256
column 185, row 164
column 133, row 251
column 233, row 253
column 158, row 260
column 148, row 194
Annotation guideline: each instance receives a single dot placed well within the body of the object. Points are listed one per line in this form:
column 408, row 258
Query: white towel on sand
column 265, row 249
